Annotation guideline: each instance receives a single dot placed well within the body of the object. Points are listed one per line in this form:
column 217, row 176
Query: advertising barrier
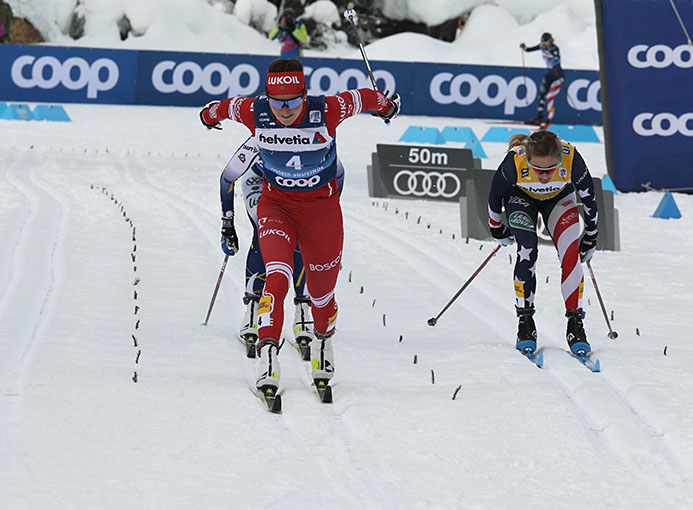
column 423, row 172
column 69, row 75
column 85, row 75
column 647, row 79
column 454, row 175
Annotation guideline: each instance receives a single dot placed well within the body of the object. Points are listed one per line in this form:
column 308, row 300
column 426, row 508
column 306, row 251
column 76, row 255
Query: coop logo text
column 74, row 73
column 493, row 90
column 660, row 56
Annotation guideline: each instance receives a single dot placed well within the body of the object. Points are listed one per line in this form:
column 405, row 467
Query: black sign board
column 421, row 172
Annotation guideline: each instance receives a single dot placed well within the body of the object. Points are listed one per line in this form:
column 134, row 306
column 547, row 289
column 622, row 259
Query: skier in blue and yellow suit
column 540, row 174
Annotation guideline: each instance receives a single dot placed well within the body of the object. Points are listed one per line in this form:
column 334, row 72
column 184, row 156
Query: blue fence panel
column 67, row 75
column 194, row 79
column 647, row 71
column 56, row 74
column 493, row 92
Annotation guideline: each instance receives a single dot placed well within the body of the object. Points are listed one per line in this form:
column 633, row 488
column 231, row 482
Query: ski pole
column 612, row 334
column 350, row 14
column 433, row 320
column 216, row 289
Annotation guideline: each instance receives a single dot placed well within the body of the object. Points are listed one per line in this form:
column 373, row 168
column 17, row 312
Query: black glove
column 229, row 239
column 587, row 245
column 523, row 45
column 393, row 111
column 216, row 125
column 502, row 235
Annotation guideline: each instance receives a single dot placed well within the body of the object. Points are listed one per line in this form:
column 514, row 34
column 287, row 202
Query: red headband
column 279, row 84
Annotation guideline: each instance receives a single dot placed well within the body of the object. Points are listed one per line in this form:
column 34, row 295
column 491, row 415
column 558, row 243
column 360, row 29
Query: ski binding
column 535, row 357
column 302, row 345
column 249, row 341
column 271, row 398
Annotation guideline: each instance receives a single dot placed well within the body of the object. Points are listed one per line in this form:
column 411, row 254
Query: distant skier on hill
column 540, row 174
column 553, row 80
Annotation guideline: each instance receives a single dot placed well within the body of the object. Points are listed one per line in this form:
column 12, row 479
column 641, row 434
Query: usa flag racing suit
column 524, row 197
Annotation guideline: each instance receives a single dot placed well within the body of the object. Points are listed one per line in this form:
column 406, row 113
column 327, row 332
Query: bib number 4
column 295, row 162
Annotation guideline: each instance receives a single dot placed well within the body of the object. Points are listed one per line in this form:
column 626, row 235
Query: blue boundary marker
column 465, row 135
column 608, row 184
column 52, row 112
column 502, row 134
column 459, row 134
column 5, row 111
column 575, row 133
column 667, row 208
column 420, row 134
column 21, row 112
column 477, row 149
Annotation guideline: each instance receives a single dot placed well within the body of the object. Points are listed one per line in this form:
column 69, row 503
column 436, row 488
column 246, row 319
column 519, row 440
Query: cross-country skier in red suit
column 296, row 133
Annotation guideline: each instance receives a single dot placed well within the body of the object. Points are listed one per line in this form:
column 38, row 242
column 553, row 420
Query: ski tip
column 327, row 396
column 323, row 389
column 597, row 366
column 276, row 405
column 271, row 399
column 540, row 359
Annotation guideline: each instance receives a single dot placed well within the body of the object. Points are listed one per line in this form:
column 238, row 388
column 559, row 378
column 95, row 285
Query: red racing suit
column 300, row 201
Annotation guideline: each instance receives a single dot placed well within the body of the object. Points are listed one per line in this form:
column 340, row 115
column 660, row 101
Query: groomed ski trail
column 616, row 421
column 35, row 279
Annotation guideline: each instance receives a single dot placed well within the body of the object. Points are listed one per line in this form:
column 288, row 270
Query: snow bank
column 491, row 35
column 323, row 11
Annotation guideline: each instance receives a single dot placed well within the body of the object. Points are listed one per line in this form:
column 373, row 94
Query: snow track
column 76, row 284
column 34, row 277
column 618, row 420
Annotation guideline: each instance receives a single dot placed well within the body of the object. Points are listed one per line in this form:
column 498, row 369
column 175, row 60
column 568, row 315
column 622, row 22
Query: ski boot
column 536, row 121
column 526, row 331
column 303, row 327
column 269, row 373
column 575, row 333
column 249, row 328
column 322, row 365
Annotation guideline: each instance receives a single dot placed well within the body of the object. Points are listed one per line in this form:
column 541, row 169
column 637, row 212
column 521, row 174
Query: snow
column 77, row 432
column 492, row 33
column 323, row 11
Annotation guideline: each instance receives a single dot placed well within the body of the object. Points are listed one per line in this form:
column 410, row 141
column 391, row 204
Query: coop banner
column 50, row 73
column 647, row 74
column 502, row 93
column 192, row 79
column 426, row 89
column 73, row 75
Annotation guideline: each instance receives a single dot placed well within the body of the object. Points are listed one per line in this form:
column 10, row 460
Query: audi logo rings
column 426, row 184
